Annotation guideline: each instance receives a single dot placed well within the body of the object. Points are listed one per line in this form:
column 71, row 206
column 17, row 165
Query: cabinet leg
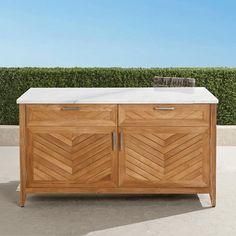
column 22, row 198
column 213, row 198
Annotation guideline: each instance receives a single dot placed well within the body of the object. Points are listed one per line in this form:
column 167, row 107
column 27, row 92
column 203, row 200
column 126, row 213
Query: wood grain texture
column 156, row 151
column 181, row 115
column 120, row 190
column 165, row 157
column 23, row 165
column 213, row 156
column 86, row 115
column 69, row 156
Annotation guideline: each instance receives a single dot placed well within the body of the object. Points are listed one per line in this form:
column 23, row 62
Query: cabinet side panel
column 213, row 155
column 23, row 176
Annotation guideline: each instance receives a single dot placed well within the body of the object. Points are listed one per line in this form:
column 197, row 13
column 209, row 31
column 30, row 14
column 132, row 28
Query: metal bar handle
column 121, row 140
column 164, row 108
column 114, row 140
column 70, row 108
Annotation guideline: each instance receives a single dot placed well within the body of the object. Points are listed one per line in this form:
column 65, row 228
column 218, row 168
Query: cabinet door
column 165, row 157
column 72, row 157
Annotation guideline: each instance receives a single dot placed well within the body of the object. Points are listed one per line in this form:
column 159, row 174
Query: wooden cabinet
column 152, row 148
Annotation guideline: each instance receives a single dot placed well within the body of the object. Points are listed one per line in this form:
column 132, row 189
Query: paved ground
column 114, row 216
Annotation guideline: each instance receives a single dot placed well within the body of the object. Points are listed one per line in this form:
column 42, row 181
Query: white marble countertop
column 117, row 96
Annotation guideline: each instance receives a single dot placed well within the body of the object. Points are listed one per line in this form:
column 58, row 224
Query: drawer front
column 71, row 115
column 164, row 115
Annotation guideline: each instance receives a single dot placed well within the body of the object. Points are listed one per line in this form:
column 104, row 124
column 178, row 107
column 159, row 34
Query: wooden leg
column 213, row 184
column 22, row 198
column 213, row 198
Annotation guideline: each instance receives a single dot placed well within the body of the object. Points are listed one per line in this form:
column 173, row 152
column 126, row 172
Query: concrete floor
column 121, row 215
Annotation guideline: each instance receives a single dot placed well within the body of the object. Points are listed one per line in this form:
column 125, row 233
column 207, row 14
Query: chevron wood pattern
column 64, row 157
column 165, row 156
column 179, row 115
column 83, row 115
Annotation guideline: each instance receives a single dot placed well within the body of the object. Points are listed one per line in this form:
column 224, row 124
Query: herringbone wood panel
column 67, row 157
column 86, row 115
column 165, row 157
column 149, row 115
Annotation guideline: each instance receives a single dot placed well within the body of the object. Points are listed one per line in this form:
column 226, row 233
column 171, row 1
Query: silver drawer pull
column 114, row 141
column 70, row 108
column 164, row 108
column 121, row 140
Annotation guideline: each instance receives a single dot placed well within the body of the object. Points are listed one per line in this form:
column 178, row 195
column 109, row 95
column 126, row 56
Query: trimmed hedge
column 15, row 81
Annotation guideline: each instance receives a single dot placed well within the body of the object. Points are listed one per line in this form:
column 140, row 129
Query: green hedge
column 15, row 81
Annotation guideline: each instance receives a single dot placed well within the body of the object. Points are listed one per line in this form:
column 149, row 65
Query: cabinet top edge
column 180, row 95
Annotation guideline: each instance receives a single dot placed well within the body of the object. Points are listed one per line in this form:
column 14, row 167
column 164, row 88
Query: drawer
column 164, row 115
column 71, row 115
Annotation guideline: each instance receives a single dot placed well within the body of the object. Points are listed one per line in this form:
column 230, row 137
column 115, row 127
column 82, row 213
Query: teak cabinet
column 104, row 148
